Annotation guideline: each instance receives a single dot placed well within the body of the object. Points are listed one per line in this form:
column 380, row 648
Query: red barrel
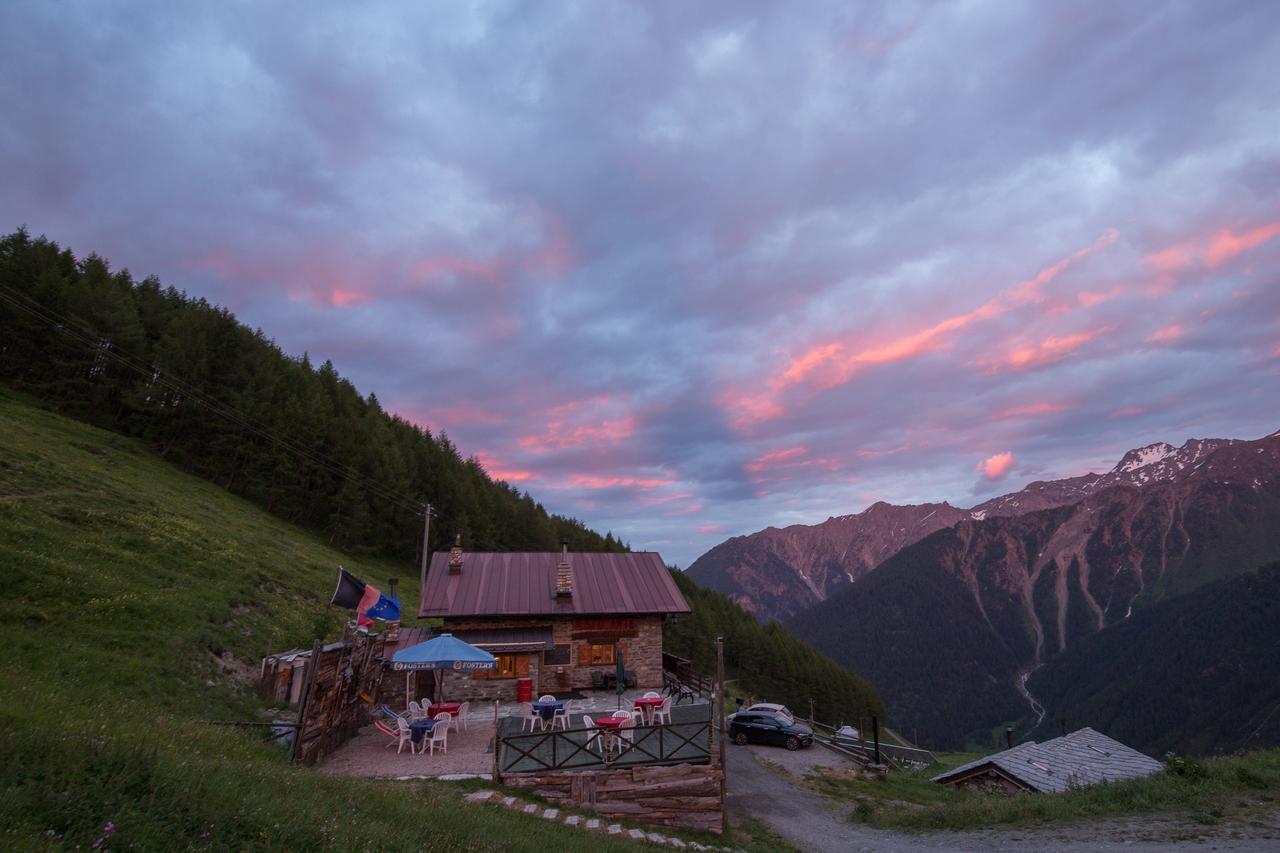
column 524, row 689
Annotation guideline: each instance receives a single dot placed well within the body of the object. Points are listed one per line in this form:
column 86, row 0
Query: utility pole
column 723, row 730
column 426, row 533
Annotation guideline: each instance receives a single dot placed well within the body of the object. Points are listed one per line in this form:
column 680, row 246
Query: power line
column 91, row 338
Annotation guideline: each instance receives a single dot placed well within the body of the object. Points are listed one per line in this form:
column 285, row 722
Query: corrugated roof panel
column 509, row 584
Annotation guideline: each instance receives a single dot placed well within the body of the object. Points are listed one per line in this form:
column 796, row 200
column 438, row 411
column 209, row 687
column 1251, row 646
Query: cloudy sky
column 686, row 270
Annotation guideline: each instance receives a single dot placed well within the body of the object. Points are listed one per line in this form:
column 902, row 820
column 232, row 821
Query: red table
column 443, row 707
column 649, row 704
column 609, row 727
column 610, row 722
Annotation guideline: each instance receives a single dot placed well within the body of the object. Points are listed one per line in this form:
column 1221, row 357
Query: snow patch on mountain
column 1144, row 456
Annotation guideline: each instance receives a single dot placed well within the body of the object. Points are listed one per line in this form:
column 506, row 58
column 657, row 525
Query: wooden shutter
column 584, row 654
column 522, row 665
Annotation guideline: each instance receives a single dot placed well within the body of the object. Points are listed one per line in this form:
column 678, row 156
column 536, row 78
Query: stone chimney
column 455, row 555
column 564, row 572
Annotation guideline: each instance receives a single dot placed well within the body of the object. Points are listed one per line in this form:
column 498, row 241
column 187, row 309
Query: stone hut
column 552, row 617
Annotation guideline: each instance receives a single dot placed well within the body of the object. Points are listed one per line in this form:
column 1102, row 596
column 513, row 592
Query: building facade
column 556, row 618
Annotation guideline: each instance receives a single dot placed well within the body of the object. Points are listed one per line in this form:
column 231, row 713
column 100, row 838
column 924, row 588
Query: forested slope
column 222, row 401
column 766, row 661
column 1197, row 674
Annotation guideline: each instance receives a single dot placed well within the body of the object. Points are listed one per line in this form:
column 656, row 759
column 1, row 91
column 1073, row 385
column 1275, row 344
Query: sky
column 688, row 270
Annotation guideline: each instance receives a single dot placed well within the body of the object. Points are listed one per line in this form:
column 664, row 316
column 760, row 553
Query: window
column 509, row 666
column 595, row 654
column 559, row 656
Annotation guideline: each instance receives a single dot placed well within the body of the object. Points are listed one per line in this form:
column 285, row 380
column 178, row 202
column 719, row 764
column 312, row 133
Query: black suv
column 766, row 728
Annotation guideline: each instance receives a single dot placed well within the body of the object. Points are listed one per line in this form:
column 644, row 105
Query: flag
column 349, row 592
column 365, row 599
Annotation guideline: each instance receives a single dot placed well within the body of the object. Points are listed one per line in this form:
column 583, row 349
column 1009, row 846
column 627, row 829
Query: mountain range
column 949, row 612
column 779, row 572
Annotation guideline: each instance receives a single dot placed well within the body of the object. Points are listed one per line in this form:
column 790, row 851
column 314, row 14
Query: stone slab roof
column 1084, row 757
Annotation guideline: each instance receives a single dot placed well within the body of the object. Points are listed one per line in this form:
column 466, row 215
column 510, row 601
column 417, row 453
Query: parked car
column 771, row 709
column 751, row 727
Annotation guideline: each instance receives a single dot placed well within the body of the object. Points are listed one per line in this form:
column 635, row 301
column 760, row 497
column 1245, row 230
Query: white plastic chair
column 406, row 735
column 546, row 697
column 626, row 735
column 651, row 694
column 463, row 710
column 561, row 716
column 622, row 715
column 530, row 717
column 663, row 710
column 439, row 735
column 594, row 739
column 416, row 711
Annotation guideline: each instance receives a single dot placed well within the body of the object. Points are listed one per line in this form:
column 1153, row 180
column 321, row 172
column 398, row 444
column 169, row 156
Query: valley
column 957, row 627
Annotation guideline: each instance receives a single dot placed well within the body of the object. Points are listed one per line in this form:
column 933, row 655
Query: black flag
column 349, row 592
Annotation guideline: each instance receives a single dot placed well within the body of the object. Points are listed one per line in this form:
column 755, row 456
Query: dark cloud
column 687, row 270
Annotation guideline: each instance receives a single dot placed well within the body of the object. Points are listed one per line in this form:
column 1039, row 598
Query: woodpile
column 682, row 795
column 334, row 685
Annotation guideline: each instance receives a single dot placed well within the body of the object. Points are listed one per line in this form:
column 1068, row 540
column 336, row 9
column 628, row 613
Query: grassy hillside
column 135, row 593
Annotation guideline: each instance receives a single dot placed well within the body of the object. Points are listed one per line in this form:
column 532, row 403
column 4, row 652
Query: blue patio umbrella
column 441, row 653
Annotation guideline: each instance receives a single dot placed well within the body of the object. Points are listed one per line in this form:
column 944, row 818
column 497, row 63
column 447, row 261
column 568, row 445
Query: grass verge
column 1203, row 791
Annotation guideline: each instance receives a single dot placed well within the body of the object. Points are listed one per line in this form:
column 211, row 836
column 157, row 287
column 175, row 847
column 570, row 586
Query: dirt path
column 814, row 823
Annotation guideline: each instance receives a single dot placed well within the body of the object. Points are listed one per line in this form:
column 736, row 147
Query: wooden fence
column 685, row 795
column 577, row 749
column 681, row 680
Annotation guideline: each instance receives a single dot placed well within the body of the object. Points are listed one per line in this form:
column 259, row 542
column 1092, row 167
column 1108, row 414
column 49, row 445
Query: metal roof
column 523, row 584
column 1084, row 757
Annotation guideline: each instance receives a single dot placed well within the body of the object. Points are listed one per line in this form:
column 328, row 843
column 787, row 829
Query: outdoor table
column 547, row 710
column 608, row 729
column 649, row 704
column 442, row 708
column 418, row 728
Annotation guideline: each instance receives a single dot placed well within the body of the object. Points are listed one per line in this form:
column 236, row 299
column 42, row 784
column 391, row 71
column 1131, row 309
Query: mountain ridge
column 779, row 572
column 950, row 627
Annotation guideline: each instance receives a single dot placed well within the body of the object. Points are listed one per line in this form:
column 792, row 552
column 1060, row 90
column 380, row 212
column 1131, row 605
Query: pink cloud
column 428, row 269
column 996, row 467
column 1031, row 409
column 343, row 298
column 1043, row 353
column 1226, row 245
column 831, row 363
column 775, row 459
column 710, row 529
column 1128, row 412
column 498, row 472
column 590, row 422
column 1208, row 251
column 595, row 481
column 1166, row 334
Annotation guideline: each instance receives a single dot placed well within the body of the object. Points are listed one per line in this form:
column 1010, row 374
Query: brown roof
column 523, row 584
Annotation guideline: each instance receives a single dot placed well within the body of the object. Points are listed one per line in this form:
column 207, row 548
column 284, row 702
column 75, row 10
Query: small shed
column 1084, row 757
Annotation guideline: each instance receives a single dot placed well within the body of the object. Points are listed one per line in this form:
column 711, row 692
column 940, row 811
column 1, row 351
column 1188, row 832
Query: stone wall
column 640, row 638
column 688, row 796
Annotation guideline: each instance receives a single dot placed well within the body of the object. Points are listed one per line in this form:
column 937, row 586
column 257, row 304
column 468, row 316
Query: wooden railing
column 582, row 749
column 681, row 681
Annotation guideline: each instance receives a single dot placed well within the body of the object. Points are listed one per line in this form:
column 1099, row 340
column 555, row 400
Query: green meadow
column 140, row 602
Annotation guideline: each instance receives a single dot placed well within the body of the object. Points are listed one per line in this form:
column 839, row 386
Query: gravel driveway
column 814, row 823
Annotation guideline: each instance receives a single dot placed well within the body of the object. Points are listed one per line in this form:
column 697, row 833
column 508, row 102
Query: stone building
column 1084, row 757
column 552, row 617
